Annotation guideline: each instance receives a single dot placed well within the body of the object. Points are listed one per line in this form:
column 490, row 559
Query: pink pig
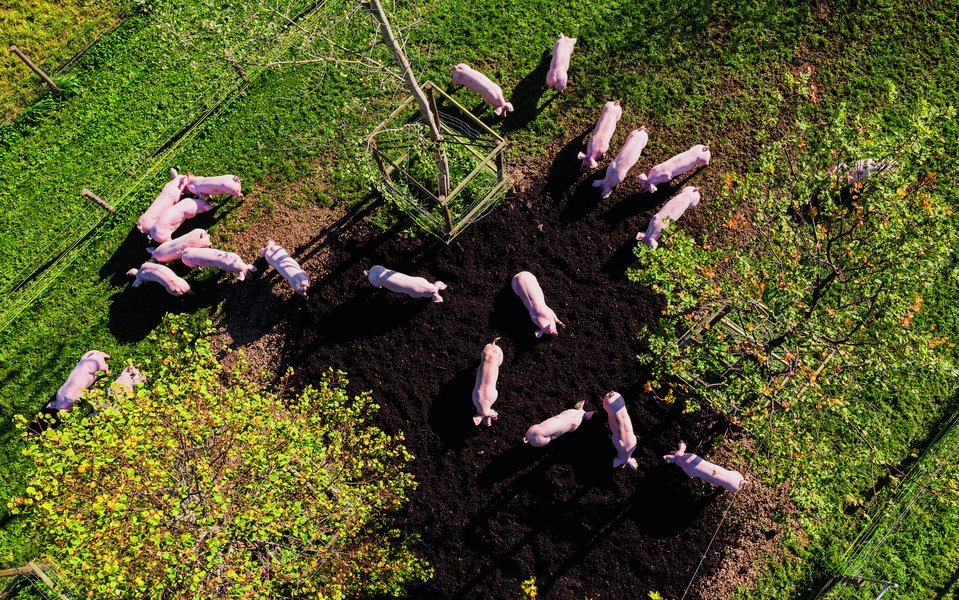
column 624, row 161
column 602, row 134
column 621, row 430
column 277, row 256
column 861, row 169
column 162, row 274
column 122, row 387
column 169, row 195
column 80, row 379
column 167, row 251
column 553, row 427
column 417, row 287
column 211, row 186
column 529, row 291
column 211, row 258
column 556, row 77
column 484, row 392
column 695, row 466
column 672, row 210
column 674, row 167
column 482, row 85
column 173, row 217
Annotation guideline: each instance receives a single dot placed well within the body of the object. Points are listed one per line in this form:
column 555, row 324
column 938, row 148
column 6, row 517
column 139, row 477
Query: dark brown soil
column 491, row 511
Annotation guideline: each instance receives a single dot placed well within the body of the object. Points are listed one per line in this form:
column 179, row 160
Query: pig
column 671, row 211
column 173, row 217
column 553, row 427
column 211, row 186
column 602, row 134
column 80, row 379
column 169, row 251
column 695, row 466
column 674, row 167
column 621, row 430
column 482, row 85
column 169, row 195
column 416, row 287
column 280, row 259
column 122, row 387
column 529, row 291
column 161, row 274
column 556, row 77
column 861, row 169
column 484, row 392
column 212, row 258
column 624, row 161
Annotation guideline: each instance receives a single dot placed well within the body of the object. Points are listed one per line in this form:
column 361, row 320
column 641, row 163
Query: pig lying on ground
column 417, row 287
column 168, row 251
column 211, row 258
column 80, row 379
column 671, row 211
column 556, row 77
column 484, row 392
column 674, row 167
column 862, row 169
column 122, row 387
column 481, row 84
column 529, row 291
column 211, row 186
column 162, row 274
column 280, row 259
column 695, row 466
column 553, row 427
column 169, row 195
column 621, row 430
column 173, row 217
column 602, row 134
column 624, row 161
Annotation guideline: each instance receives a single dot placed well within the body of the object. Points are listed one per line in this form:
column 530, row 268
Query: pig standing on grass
column 162, row 274
column 553, row 427
column 674, row 167
column 484, row 392
column 481, row 84
column 624, row 161
column 527, row 288
column 81, row 378
column 169, row 251
column 122, row 387
column 173, row 217
column 695, row 466
column 602, row 134
column 556, row 77
column 671, row 211
column 281, row 260
column 169, row 195
column 621, row 430
column 211, row 186
column 417, row 287
column 211, row 258
column 861, row 169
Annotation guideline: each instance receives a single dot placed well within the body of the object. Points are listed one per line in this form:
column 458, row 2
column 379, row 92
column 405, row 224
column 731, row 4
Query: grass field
column 692, row 72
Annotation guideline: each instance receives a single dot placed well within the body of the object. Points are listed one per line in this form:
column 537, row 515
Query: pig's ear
column 581, row 155
column 589, row 414
column 477, row 420
column 525, row 441
column 579, row 404
column 669, row 457
column 632, row 464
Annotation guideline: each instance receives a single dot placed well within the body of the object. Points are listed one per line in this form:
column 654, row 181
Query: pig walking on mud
column 475, row 81
column 211, row 258
column 624, row 161
column 211, row 186
column 674, row 167
column 169, row 251
column 417, row 287
column 695, row 466
column 621, row 430
column 603, row 132
column 169, row 195
column 80, row 379
column 484, row 392
column 162, row 274
column 173, row 217
column 281, row 260
column 529, row 291
column 671, row 211
column 557, row 77
column 553, row 427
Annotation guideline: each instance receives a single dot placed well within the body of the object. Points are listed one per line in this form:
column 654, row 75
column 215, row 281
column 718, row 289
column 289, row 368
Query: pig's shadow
column 451, row 412
column 665, row 503
column 510, row 319
column 526, row 96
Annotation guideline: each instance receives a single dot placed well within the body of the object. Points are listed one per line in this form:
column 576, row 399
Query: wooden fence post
column 106, row 205
column 33, row 67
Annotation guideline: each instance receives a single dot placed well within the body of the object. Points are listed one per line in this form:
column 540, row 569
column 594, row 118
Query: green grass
column 692, row 72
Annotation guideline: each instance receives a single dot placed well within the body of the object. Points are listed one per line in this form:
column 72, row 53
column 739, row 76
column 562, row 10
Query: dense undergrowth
column 693, row 72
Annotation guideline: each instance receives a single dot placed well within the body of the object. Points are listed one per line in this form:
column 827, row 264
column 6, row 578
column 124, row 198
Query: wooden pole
column 33, row 67
column 106, row 205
